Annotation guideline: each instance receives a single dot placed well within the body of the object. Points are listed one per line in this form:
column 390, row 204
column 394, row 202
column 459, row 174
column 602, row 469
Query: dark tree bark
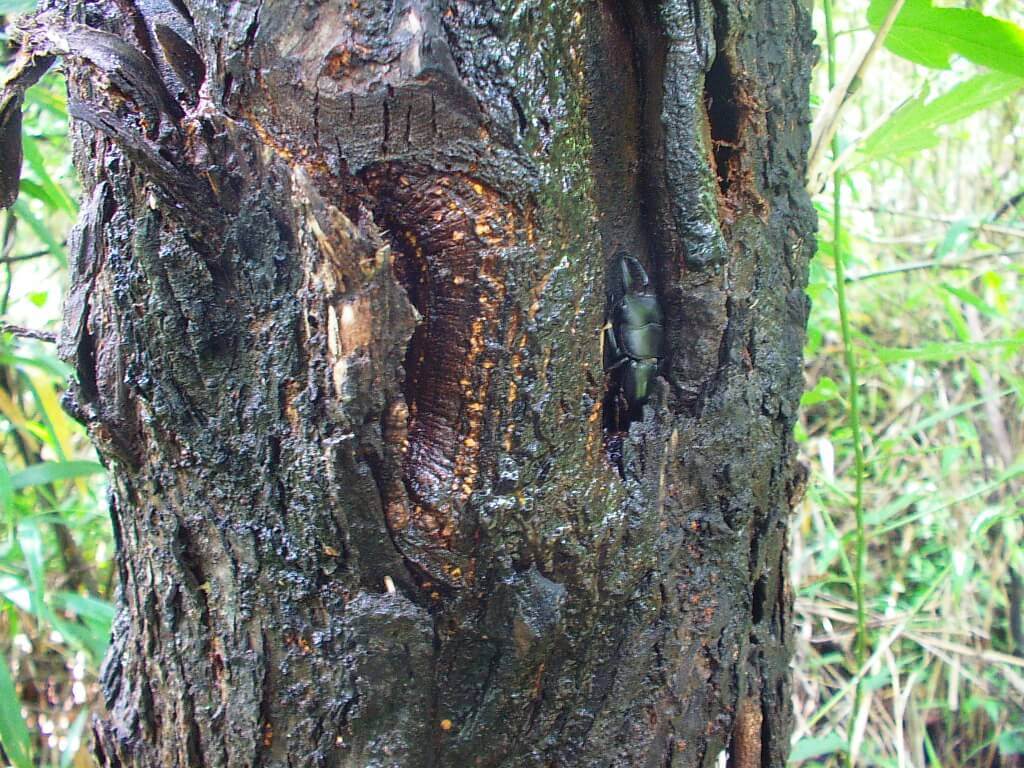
column 338, row 293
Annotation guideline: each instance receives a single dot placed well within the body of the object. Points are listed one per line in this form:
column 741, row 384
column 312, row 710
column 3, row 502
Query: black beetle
column 635, row 335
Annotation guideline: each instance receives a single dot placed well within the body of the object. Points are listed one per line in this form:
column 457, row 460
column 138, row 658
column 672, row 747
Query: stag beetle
column 633, row 337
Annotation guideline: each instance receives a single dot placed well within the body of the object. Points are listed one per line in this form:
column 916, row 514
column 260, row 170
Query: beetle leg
column 610, row 349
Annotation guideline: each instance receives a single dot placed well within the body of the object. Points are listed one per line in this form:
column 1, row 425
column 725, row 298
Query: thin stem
column 853, row 401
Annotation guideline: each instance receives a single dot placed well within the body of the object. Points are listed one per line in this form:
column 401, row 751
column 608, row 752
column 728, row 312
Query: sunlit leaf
column 816, row 746
column 15, row 591
column 912, row 127
column 85, row 607
column 938, row 351
column 930, row 35
column 53, row 471
column 824, row 389
column 56, row 418
column 13, row 413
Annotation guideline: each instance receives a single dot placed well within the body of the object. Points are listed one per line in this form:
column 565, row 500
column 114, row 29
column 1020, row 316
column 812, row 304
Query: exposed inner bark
column 336, row 315
column 451, row 233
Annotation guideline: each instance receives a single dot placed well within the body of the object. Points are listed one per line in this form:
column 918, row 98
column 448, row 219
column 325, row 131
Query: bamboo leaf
column 816, row 746
column 74, row 739
column 39, row 229
column 13, row 732
column 33, row 157
column 929, row 35
column 6, row 488
column 939, row 351
column 912, row 127
column 12, row 411
column 85, row 607
column 56, row 419
column 53, row 471
column 30, row 540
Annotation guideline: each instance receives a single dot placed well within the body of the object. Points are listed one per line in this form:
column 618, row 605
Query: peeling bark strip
column 336, row 306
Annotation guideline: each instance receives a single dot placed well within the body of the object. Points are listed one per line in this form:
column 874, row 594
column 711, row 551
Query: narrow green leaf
column 44, row 362
column 74, row 739
column 816, row 746
column 53, row 471
column 929, row 35
column 35, row 161
column 6, row 488
column 13, row 731
column 912, row 127
column 939, row 351
column 15, row 591
column 85, row 607
column 24, row 213
column 53, row 100
column 973, row 299
column 34, row 190
column 30, row 540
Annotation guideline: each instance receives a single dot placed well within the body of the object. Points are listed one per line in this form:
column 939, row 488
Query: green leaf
column 939, row 351
column 53, row 100
column 912, row 127
column 24, row 213
column 34, row 159
column 1011, row 743
column 42, row 361
column 825, row 389
column 30, row 540
column 7, row 7
column 85, row 607
column 13, row 731
column 928, row 35
column 15, row 591
column 815, row 746
column 74, row 739
column 53, row 471
column 6, row 488
column 970, row 298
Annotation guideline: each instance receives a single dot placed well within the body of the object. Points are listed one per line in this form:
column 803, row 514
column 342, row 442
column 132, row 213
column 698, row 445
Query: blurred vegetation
column 907, row 548
column 906, row 552
column 55, row 550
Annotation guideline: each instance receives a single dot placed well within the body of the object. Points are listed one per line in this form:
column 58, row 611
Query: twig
column 1009, row 205
column 935, row 264
column 828, row 118
column 994, row 229
column 29, row 333
column 24, row 256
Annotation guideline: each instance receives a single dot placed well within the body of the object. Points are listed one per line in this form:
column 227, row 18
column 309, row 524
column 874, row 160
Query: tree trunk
column 336, row 314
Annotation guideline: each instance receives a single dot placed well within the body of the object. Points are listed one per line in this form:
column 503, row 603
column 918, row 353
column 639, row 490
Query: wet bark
column 336, row 316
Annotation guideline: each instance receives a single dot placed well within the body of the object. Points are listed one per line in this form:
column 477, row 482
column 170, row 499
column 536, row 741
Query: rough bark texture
column 338, row 291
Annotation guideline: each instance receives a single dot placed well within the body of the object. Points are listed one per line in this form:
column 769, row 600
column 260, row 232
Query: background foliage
column 906, row 552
